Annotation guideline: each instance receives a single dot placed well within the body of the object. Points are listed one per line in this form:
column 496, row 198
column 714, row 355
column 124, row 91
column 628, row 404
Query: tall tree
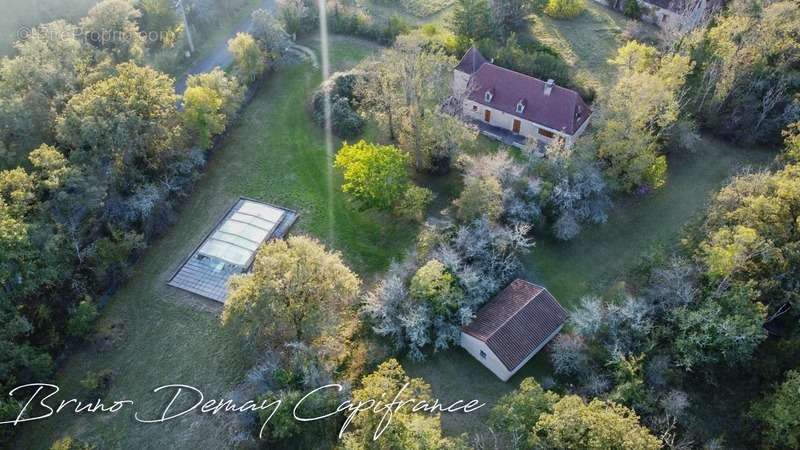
column 472, row 21
column 408, row 429
column 408, row 87
column 202, row 113
column 112, row 26
column 746, row 83
column 297, row 290
column 779, row 413
column 128, row 123
column 249, row 60
column 375, row 175
column 510, row 15
column 597, row 425
column 642, row 107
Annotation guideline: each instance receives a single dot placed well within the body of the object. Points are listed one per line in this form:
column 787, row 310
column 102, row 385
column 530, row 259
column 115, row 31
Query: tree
column 745, row 87
column 437, row 286
column 598, row 425
column 516, row 412
column 202, row 113
column 414, row 203
column 632, row 9
column 128, row 122
column 725, row 330
column 269, row 32
column 564, row 9
column 375, row 175
column 69, row 443
column 471, row 20
column 80, row 323
column 285, row 431
column 248, row 58
column 35, row 85
column 228, row 88
column 159, row 16
column 112, row 27
column 408, row 429
column 20, row 362
column 641, row 108
column 298, row 16
column 576, row 188
column 779, row 414
column 750, row 237
column 509, row 15
column 480, row 197
column 297, row 290
column 482, row 257
column 406, row 86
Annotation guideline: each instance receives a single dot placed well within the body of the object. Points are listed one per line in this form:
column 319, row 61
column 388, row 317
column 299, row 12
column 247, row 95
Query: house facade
column 513, row 327
column 515, row 107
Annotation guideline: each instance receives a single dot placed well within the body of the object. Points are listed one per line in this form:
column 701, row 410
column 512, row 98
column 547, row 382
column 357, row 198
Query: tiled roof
column 517, row 321
column 561, row 110
column 471, row 62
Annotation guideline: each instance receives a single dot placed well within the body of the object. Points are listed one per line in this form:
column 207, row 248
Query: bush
column 564, row 9
column 481, row 197
column 80, row 322
column 632, row 9
column 434, row 284
column 249, row 59
column 345, row 121
column 359, row 23
column 97, row 383
column 69, row 443
column 375, row 175
column 298, row 16
column 414, row 203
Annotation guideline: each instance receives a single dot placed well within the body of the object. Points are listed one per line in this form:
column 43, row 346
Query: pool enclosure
column 229, row 249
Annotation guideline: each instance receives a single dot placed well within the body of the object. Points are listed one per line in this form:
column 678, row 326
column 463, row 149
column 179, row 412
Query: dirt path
column 220, row 56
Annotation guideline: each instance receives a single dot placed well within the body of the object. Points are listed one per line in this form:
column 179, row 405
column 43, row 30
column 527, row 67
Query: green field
column 586, row 42
column 152, row 334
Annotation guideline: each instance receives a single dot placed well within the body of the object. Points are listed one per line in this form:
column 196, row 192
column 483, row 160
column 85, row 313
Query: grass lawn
column 152, row 334
column 585, row 42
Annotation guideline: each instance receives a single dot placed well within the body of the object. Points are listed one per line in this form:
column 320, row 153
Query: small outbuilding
column 512, row 327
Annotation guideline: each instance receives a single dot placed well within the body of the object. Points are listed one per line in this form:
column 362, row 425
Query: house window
column 546, row 133
column 520, row 107
column 474, row 107
column 483, row 354
column 488, row 96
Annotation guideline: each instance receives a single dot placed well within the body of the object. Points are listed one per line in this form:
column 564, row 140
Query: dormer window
column 488, row 96
column 521, row 106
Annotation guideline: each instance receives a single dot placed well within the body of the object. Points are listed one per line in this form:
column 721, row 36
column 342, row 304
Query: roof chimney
column 549, row 86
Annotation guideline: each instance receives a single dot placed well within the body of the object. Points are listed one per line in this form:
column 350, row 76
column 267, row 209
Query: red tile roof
column 517, row 321
column 562, row 110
